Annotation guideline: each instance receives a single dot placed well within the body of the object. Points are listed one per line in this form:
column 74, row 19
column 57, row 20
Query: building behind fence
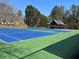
column 9, row 17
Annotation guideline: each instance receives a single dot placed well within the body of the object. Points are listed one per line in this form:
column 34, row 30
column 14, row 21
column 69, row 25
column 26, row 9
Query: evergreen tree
column 34, row 17
column 57, row 13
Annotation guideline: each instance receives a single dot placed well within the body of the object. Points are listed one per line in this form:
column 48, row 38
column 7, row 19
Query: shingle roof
column 59, row 22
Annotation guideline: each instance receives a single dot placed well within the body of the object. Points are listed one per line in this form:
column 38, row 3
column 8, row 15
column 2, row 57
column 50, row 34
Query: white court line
column 9, row 36
column 42, row 31
column 49, row 31
column 14, row 33
column 3, row 41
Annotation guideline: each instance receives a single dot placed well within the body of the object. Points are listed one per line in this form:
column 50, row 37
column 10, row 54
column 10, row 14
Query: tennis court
column 12, row 34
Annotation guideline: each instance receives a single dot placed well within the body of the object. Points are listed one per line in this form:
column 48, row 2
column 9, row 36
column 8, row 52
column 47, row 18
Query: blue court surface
column 12, row 35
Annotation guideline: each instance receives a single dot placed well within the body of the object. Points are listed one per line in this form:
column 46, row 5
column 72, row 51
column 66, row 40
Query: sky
column 44, row 6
